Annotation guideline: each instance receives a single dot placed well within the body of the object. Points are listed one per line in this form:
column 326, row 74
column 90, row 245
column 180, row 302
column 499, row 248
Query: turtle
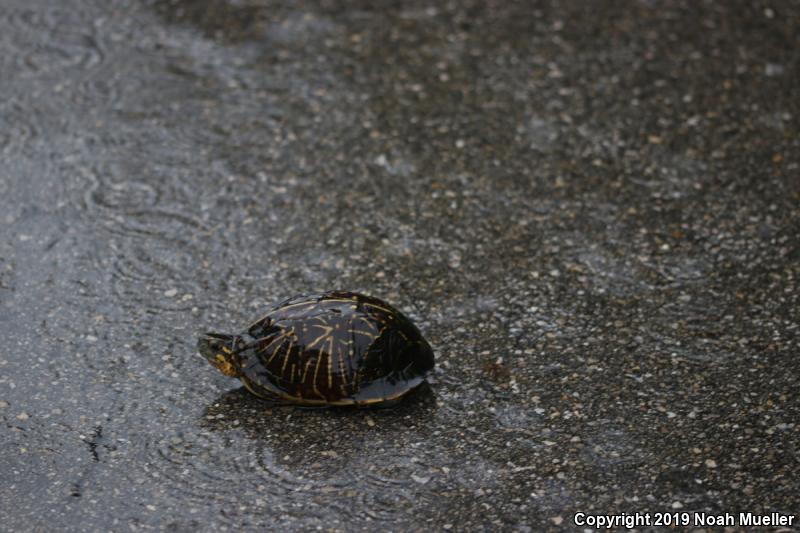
column 328, row 349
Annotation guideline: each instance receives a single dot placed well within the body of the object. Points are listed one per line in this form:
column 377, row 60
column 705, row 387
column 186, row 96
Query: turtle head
column 221, row 351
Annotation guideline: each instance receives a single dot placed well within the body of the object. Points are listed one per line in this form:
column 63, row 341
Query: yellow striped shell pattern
column 335, row 348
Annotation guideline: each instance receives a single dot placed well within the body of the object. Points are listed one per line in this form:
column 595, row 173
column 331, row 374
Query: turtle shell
column 335, row 348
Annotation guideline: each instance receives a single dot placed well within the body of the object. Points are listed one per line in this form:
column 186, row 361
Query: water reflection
column 344, row 458
column 238, row 409
column 320, row 443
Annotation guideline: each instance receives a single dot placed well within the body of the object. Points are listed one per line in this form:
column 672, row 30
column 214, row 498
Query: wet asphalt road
column 591, row 210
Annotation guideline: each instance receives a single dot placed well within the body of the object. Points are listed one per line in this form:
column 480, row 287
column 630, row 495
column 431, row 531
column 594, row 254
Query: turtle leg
column 391, row 402
column 261, row 393
column 383, row 403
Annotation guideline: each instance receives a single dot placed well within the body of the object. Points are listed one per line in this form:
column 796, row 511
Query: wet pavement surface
column 592, row 211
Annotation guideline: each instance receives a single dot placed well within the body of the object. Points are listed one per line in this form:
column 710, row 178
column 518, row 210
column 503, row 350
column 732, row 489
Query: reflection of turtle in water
column 337, row 348
column 299, row 448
